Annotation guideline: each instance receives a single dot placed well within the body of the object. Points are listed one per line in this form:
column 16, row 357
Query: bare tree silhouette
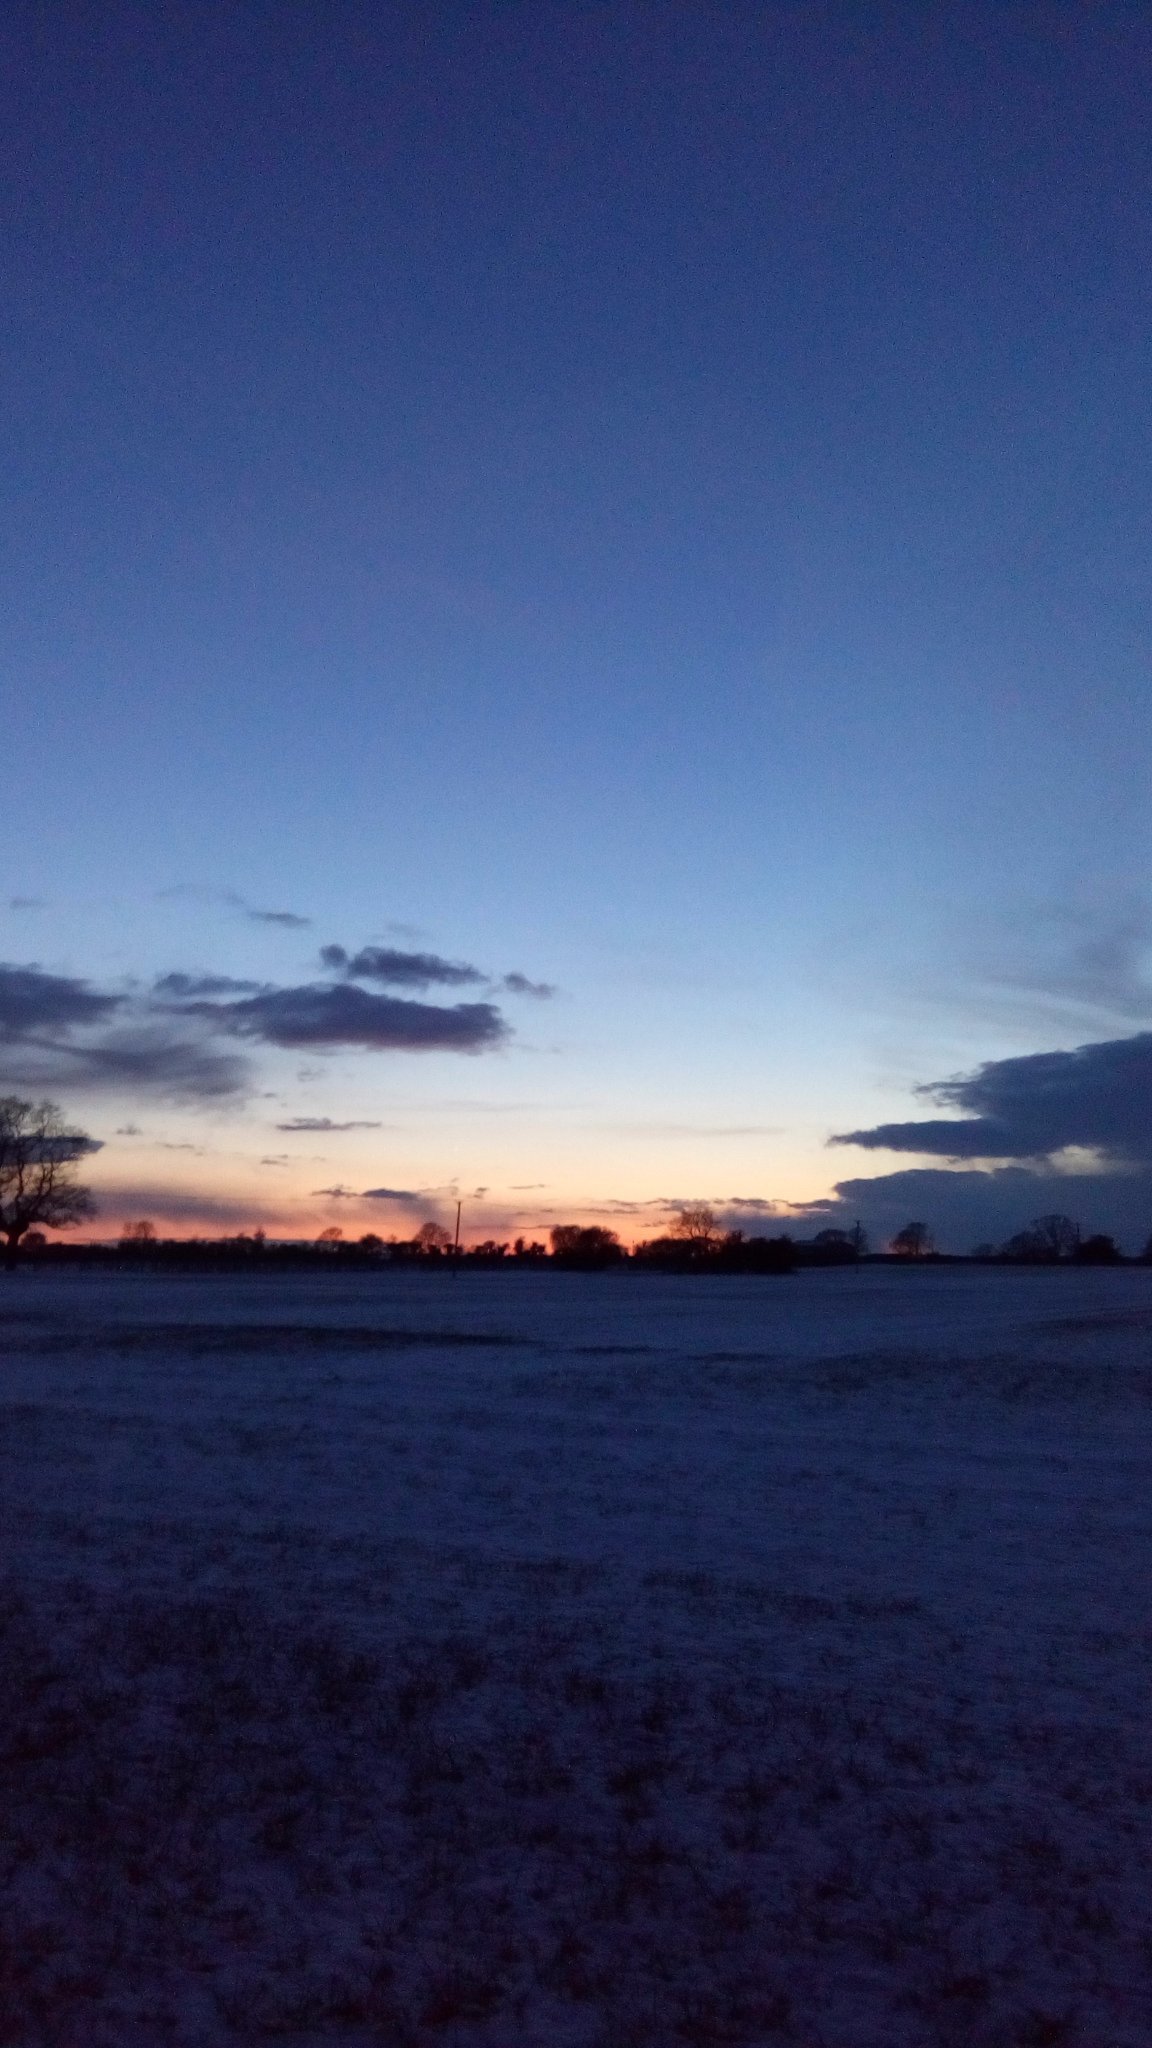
column 696, row 1224
column 38, row 1154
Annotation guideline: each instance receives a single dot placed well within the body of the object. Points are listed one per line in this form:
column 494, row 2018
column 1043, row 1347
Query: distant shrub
column 1098, row 1251
column 589, row 1247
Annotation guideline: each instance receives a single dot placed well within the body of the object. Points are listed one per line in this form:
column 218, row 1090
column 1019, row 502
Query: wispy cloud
column 656, row 1127
column 199, row 892
column 325, row 1123
column 1079, row 955
column 186, row 987
column 519, row 985
column 289, row 918
column 144, row 1060
column 395, row 969
column 179, row 1206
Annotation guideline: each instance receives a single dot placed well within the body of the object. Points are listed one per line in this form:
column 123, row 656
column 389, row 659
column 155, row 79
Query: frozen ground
column 576, row 1661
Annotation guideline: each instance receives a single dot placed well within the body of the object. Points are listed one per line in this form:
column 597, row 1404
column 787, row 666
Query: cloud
column 1097, row 1098
column 128, row 1131
column 338, row 1193
column 1071, row 1132
column 961, row 1138
column 325, row 1123
column 146, row 1059
column 176, row 1205
column 393, row 1195
column 59, row 1032
column 618, row 1206
column 467, row 1105
column 32, row 1001
column 63, row 1145
column 519, row 985
column 657, row 1128
column 185, row 987
column 966, row 1208
column 395, row 969
column 1084, row 956
column 198, row 892
column 962, row 1208
column 344, row 1015
column 756, row 1205
column 56, row 1032
column 400, row 970
column 26, row 903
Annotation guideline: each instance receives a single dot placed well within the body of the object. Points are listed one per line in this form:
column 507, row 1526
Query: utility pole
column 456, row 1244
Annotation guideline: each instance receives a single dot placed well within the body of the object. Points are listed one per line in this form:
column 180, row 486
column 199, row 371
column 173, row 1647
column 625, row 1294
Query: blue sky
column 653, row 499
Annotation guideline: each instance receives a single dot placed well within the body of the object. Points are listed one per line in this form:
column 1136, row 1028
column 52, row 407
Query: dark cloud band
column 319, row 1016
column 1098, row 1097
column 33, row 1001
column 59, row 1032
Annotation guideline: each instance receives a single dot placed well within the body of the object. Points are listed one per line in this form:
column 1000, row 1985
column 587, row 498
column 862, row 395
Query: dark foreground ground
column 543, row 1659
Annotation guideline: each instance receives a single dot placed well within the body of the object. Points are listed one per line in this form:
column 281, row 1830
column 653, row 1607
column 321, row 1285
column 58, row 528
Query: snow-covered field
column 590, row 1661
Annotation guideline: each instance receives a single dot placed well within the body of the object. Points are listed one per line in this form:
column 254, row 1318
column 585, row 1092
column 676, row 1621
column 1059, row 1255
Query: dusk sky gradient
column 647, row 506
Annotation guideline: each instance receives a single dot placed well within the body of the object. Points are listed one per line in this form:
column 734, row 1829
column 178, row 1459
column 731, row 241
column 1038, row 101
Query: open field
column 590, row 1661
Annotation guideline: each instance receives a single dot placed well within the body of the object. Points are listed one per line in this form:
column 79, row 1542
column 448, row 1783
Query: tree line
column 570, row 1247
column 1053, row 1240
column 39, row 1190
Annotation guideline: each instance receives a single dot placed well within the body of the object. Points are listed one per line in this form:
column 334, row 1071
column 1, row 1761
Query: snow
column 577, row 1660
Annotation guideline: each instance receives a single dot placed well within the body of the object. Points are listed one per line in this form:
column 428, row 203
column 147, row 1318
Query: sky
column 575, row 614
